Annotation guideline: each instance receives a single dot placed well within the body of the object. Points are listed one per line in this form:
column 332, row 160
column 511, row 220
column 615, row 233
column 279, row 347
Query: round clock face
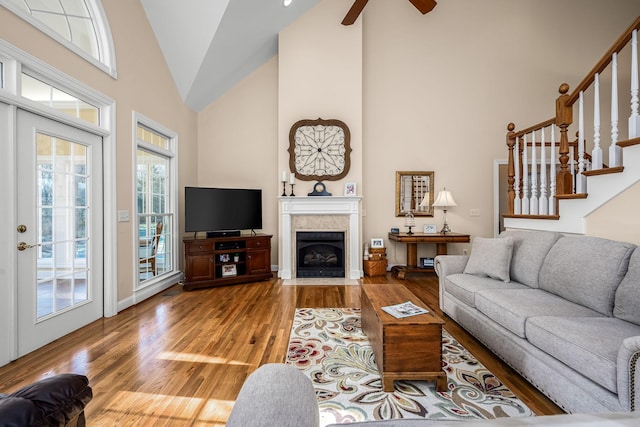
column 319, row 149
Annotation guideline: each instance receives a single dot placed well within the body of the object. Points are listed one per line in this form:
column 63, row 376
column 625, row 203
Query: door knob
column 23, row 245
column 22, row 228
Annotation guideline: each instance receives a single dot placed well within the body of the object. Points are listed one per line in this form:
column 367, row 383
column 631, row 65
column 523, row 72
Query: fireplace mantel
column 345, row 208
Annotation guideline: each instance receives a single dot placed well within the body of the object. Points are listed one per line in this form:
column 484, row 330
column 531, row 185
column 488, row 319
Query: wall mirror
column 414, row 193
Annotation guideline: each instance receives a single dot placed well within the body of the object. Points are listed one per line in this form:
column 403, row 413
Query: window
column 81, row 25
column 155, row 201
column 46, row 94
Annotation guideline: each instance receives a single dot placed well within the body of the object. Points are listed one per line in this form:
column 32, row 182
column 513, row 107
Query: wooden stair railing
column 539, row 198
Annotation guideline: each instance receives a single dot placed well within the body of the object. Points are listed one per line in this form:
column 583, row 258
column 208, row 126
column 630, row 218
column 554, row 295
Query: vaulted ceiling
column 210, row 45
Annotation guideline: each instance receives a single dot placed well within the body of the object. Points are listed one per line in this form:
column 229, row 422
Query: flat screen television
column 222, row 211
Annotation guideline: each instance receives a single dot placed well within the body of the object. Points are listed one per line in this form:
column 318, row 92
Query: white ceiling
column 210, row 45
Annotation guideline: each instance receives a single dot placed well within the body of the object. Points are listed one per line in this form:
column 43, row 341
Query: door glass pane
column 63, row 231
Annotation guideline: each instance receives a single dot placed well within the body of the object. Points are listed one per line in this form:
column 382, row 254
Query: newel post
column 511, row 194
column 564, row 118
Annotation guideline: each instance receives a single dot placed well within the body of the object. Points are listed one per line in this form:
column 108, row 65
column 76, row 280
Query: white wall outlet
column 474, row 212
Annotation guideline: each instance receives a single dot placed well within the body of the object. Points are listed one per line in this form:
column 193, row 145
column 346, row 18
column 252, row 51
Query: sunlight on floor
column 187, row 357
column 172, row 410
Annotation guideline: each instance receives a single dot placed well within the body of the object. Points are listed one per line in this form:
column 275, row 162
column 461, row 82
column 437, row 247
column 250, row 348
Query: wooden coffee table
column 409, row 348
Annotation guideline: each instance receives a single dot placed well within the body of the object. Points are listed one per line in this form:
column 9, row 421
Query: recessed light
column 287, row 3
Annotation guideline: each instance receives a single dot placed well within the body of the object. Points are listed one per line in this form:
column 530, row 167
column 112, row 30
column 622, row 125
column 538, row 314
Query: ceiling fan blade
column 354, row 12
column 424, row 6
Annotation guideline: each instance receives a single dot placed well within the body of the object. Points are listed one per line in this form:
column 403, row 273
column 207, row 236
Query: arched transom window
column 81, row 25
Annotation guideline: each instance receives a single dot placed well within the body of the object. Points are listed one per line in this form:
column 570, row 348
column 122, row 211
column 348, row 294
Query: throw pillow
column 490, row 257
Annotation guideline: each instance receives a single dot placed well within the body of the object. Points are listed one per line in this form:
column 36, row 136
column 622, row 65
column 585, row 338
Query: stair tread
column 603, row 171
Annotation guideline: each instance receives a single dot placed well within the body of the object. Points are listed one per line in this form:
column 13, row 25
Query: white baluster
column 634, row 120
column 525, row 177
column 572, row 168
column 517, row 208
column 534, row 176
column 553, row 158
column 596, row 154
column 615, row 152
column 543, row 201
column 581, row 183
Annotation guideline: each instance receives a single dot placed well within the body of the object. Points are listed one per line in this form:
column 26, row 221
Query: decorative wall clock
column 319, row 149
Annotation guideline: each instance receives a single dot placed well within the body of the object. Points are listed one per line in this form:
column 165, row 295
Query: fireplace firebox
column 320, row 254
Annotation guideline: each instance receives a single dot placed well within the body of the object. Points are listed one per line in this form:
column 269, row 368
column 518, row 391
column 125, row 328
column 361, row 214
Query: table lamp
column 409, row 221
column 444, row 200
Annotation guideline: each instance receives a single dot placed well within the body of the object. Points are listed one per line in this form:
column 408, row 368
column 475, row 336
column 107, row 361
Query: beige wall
column 144, row 85
column 437, row 92
column 618, row 219
column 238, row 146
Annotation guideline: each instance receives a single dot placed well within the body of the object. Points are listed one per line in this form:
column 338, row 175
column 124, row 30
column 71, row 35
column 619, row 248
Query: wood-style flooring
column 180, row 358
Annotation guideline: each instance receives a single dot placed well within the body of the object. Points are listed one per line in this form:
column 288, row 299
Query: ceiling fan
column 424, row 6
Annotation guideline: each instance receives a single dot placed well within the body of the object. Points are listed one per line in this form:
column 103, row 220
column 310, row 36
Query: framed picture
column 350, row 189
column 377, row 243
column 229, row 270
column 224, row 258
column 429, row 228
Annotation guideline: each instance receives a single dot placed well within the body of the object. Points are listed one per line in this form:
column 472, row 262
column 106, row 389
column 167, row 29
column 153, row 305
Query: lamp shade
column 444, row 199
column 425, row 201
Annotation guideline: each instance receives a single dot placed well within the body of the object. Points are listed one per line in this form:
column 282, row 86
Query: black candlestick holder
column 292, row 195
column 284, row 188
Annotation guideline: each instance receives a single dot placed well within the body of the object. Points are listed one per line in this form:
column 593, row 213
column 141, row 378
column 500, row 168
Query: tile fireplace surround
column 319, row 213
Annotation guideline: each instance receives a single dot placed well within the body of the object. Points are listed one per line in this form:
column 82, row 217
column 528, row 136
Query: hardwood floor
column 180, row 358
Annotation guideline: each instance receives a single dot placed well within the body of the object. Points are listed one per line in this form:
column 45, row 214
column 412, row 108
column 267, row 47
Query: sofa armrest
column 59, row 399
column 445, row 265
column 276, row 394
column 629, row 374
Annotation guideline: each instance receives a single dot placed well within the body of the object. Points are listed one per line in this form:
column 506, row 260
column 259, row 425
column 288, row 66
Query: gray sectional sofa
column 563, row 311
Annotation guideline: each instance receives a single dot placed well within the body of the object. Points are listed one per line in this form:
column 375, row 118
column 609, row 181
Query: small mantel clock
column 319, row 149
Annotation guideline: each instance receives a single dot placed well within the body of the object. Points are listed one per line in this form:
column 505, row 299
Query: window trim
column 103, row 35
column 171, row 154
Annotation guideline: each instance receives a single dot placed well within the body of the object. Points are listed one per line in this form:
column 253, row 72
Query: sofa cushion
column 464, row 286
column 529, row 251
column 627, row 301
column 511, row 308
column 589, row 345
column 490, row 257
column 586, row 270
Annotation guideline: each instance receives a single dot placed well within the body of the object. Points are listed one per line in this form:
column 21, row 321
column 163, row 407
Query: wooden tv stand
column 220, row 261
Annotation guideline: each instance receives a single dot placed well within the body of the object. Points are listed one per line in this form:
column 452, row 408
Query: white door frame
column 8, row 258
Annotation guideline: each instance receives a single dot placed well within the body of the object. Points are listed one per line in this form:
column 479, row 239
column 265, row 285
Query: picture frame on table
column 350, row 189
column 377, row 243
column 229, row 270
column 429, row 229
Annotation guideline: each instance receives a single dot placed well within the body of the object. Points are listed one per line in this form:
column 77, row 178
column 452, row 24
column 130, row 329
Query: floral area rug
column 328, row 345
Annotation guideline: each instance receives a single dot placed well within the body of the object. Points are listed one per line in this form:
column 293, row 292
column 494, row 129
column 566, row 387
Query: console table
column 412, row 241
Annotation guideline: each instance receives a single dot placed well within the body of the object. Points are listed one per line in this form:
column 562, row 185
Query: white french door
column 59, row 230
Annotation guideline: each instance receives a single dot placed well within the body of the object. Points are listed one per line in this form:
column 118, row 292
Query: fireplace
column 320, row 254
column 312, row 214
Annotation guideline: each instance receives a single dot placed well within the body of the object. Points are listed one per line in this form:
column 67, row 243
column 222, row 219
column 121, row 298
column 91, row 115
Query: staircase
column 554, row 184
